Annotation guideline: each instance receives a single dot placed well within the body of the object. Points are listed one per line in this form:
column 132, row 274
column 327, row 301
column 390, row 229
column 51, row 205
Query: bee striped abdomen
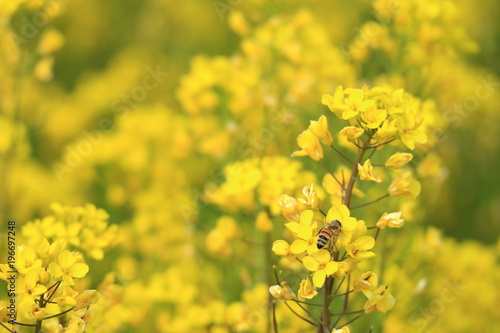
column 324, row 237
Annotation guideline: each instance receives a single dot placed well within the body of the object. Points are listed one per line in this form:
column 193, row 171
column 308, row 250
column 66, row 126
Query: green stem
column 304, row 319
column 370, row 202
column 354, row 171
column 275, row 323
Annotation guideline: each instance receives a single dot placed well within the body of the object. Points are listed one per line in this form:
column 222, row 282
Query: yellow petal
column 78, row 270
column 322, row 256
column 365, row 243
column 306, row 216
column 304, row 231
column 331, row 267
column 310, row 263
column 66, row 259
column 298, row 246
column 55, row 269
column 319, row 278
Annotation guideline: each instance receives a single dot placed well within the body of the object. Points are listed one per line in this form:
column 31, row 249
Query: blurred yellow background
column 139, row 107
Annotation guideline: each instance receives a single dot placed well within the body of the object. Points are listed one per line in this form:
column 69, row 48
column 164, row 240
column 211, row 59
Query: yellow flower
column 348, row 224
column 283, row 291
column 356, row 103
column 320, row 263
column 374, row 116
column 386, row 132
column 392, row 220
column 67, row 267
column 304, row 232
column 289, row 207
column 310, row 146
column 408, row 130
column 29, row 285
column 27, row 260
column 352, row 132
column 358, row 249
column 312, row 200
column 336, row 102
column 404, row 184
column 68, row 297
column 366, row 172
column 306, row 290
column 347, row 108
column 366, row 282
column 86, row 298
column 320, row 129
column 344, row 268
column 282, row 248
column 379, row 300
column 36, row 312
column 344, row 329
column 398, row 160
column 76, row 325
column 48, row 252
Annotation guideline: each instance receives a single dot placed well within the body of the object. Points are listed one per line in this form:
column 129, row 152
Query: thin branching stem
column 373, row 152
column 59, row 314
column 56, row 285
column 381, row 144
column 276, row 275
column 304, row 319
column 333, row 175
column 8, row 329
column 347, row 292
column 303, row 308
column 341, row 154
column 338, row 287
column 275, row 322
column 346, row 313
column 313, row 304
column 353, row 319
column 370, row 202
column 354, row 171
column 21, row 324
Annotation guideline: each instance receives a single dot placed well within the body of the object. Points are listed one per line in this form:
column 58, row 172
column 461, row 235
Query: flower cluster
column 85, row 228
column 335, row 245
column 189, row 154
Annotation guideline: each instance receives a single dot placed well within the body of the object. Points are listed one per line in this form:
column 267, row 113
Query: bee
column 328, row 233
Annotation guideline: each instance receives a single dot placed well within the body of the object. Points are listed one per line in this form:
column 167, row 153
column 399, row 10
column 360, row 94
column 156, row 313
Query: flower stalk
column 331, row 247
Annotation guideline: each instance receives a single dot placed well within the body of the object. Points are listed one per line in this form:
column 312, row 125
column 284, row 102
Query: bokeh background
column 137, row 107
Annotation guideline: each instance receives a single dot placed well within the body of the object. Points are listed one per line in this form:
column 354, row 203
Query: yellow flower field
column 230, row 166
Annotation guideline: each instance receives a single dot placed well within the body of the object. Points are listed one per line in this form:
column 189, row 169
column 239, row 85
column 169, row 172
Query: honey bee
column 328, row 233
